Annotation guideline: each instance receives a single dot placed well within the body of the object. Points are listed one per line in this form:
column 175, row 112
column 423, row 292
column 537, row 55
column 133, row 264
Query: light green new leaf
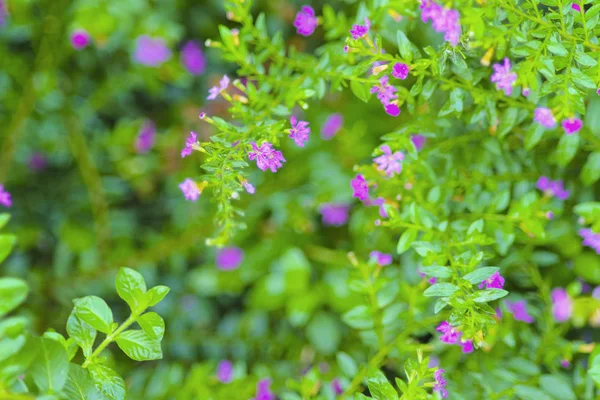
column 486, row 295
column 406, row 239
column 360, row 90
column 440, row 289
column 139, row 346
column 480, row 274
column 50, row 368
column 380, row 388
column 80, row 385
column 347, row 364
column 153, row 325
column 156, row 294
column 82, row 333
column 94, row 311
column 108, row 381
column 7, row 243
column 131, row 287
column 404, row 46
column 12, row 293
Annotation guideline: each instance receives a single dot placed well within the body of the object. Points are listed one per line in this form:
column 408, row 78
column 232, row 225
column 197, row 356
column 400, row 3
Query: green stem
column 109, row 339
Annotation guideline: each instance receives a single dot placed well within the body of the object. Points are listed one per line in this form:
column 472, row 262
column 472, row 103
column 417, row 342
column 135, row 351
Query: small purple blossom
column 360, row 187
column 37, row 162
column 392, row 109
column 336, row 385
column 596, row 293
column 229, row 258
column 382, row 259
column 332, row 126
column 3, row 12
column 359, row 31
column 400, row 71
column 503, row 77
column 334, row 214
column 80, row 39
column 266, row 156
column 225, row 371
column 419, row 141
column 440, row 383
column 248, row 186
column 388, row 162
column 5, row 198
column 519, row 311
column 553, row 188
column 385, row 92
column 299, row 132
column 565, row 363
column 467, row 346
column 151, row 52
column 590, row 238
column 544, row 117
column 214, row 91
column 145, row 138
column 576, row 7
column 526, row 91
column 190, row 190
column 305, row 22
column 444, row 20
column 422, row 274
column 572, row 125
column 562, row 305
column 378, row 202
column 263, row 390
column 496, row 281
column 193, row 58
column 191, row 141
column 450, row 335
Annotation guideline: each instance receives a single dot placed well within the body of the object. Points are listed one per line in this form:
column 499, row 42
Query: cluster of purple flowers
column 306, row 22
column 380, row 258
column 562, row 305
column 440, row 383
column 495, row 281
column 503, row 77
column 519, row 311
column 360, row 188
column 552, row 188
column 5, row 198
column 590, row 239
column 214, row 91
column 334, row 214
column 386, row 93
column 390, row 163
column 400, row 71
column 190, row 189
column 451, row 335
column 444, row 20
column 266, row 156
column 299, row 132
column 544, row 117
column 191, row 141
column 359, row 31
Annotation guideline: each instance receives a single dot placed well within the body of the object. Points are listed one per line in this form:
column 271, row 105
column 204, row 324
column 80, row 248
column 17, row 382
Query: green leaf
column 591, row 170
column 557, row 387
column 347, row 364
column 486, row 295
column 324, row 333
column 557, row 48
column 139, row 346
column 7, row 243
column 131, row 287
column 437, row 271
column 4, row 218
column 80, row 385
column 406, row 239
column 534, row 134
column 94, row 311
column 440, row 289
column 480, row 274
column 50, row 368
column 589, row 210
column 156, row 294
column 108, row 381
column 584, row 59
column 83, row 334
column 153, row 325
column 508, row 121
column 567, row 148
column 360, row 90
column 587, row 266
column 528, row 393
column 13, row 292
column 358, row 318
column 404, row 46
column 380, row 388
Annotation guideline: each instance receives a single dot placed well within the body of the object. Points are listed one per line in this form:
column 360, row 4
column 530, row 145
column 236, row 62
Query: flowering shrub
column 365, row 199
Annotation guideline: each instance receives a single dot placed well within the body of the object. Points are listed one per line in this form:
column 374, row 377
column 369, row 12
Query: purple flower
column 214, row 91
column 359, row 31
column 145, row 138
column 225, row 371
column 576, row 7
column 299, row 132
column 443, row 20
column 418, row 141
column 400, row 71
column 503, row 77
column 422, row 274
column 331, row 126
column 526, row 91
column 440, row 383
column 263, row 390
column 553, row 188
column 450, row 335
column 336, row 385
column 596, row 293
column 590, row 238
column 496, row 281
column 544, row 117
column 388, row 162
column 392, row 109
column 305, row 22
column 382, row 259
column 519, row 311
column 37, row 162
column 379, row 202
column 565, row 363
column 248, row 186
column 191, row 141
column 572, row 125
column 385, row 92
column 3, row 12
column 229, row 258
column 80, row 39
column 5, row 199
column 193, row 58
column 334, row 214
column 360, row 187
column 151, row 52
column 266, row 156
column 467, row 346
column 190, row 189
column 562, row 305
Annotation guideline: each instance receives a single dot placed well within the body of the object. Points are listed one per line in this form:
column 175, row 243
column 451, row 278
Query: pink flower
column 450, row 335
column 151, row 52
column 225, row 371
column 400, row 71
column 191, row 141
column 214, row 91
column 359, row 31
column 562, row 305
column 190, row 190
column 248, row 186
column 443, row 20
column 229, row 258
column 431, row 280
column 572, row 125
column 392, row 109
column 336, row 385
column 496, row 281
column 519, row 311
column 388, row 162
column 544, row 117
column 360, row 187
column 590, row 238
column 80, row 39
column 299, row 132
column 193, row 58
column 576, row 7
column 305, row 22
column 5, row 198
column 382, row 259
column 263, row 390
column 467, row 346
column 332, row 125
column 526, row 91
column 385, row 92
column 418, row 141
column 334, row 214
column 553, row 188
column 503, row 77
column 440, row 383
column 145, row 138
column 266, row 156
